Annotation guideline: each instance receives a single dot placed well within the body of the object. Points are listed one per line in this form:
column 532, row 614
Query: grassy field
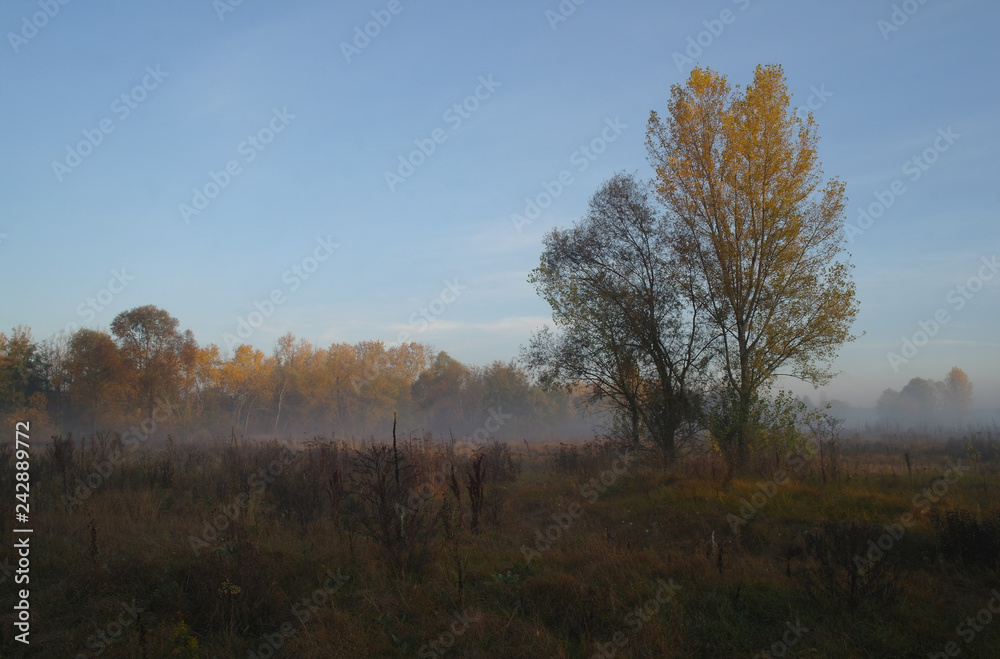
column 326, row 549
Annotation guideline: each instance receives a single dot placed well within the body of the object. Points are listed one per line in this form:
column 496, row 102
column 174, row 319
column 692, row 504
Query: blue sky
column 166, row 96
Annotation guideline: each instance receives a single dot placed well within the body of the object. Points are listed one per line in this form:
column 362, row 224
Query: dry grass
column 264, row 577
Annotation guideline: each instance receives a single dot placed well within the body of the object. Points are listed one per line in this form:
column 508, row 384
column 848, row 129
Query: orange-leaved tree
column 738, row 172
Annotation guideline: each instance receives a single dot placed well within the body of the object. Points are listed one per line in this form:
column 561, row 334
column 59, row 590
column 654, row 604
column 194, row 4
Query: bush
column 383, row 504
column 567, row 459
column 985, row 445
column 963, row 537
column 843, row 573
column 591, row 458
column 499, row 462
column 301, row 494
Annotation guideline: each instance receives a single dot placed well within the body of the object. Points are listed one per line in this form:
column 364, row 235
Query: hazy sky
column 207, row 157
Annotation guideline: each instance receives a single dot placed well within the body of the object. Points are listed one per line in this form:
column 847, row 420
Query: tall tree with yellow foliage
column 738, row 173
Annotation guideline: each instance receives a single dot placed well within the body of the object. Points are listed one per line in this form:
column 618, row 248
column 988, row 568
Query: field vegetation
column 247, row 547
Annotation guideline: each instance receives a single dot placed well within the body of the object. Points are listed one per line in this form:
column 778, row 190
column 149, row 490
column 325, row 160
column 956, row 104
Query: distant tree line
column 928, row 402
column 96, row 380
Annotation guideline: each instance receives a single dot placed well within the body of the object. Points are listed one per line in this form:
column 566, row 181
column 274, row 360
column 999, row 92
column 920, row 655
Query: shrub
column 844, row 573
column 313, row 479
column 379, row 506
column 963, row 537
column 567, row 459
column 501, row 467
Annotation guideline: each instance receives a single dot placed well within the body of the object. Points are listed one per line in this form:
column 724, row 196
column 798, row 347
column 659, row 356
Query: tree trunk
column 281, row 397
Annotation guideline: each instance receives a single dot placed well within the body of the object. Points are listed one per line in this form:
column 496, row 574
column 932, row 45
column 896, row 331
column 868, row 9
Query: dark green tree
column 153, row 348
column 629, row 327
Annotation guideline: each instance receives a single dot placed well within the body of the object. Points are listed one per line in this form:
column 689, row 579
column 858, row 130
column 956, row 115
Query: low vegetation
column 427, row 547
